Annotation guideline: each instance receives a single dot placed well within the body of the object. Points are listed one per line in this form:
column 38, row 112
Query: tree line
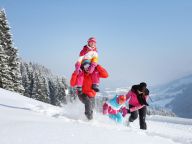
column 32, row 80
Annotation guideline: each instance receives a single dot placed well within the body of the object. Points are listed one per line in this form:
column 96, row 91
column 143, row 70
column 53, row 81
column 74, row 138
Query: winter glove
column 124, row 111
column 92, row 67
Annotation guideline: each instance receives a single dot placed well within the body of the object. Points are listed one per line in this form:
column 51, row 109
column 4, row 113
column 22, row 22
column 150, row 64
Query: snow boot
column 143, row 125
column 89, row 115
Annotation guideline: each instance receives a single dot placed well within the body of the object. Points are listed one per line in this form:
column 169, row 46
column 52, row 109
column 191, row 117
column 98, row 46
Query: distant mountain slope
column 182, row 103
column 175, row 96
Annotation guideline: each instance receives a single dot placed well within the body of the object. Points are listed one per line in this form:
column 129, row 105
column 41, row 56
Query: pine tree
column 45, row 90
column 25, row 78
column 61, row 95
column 30, row 74
column 64, row 81
column 16, row 74
column 53, row 92
column 42, row 85
column 33, row 86
column 41, row 91
column 13, row 68
column 4, row 78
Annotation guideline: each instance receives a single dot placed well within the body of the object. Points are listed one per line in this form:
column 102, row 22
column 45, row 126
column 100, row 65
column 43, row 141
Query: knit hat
column 86, row 62
column 121, row 99
column 91, row 39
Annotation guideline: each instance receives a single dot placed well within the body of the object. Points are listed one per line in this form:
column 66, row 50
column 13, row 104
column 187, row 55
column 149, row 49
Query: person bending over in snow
column 136, row 98
column 87, row 97
column 87, row 54
column 115, row 108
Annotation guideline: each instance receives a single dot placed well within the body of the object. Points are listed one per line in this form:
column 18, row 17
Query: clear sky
column 138, row 40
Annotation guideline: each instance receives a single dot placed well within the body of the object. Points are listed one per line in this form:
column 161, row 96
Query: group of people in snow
column 86, row 78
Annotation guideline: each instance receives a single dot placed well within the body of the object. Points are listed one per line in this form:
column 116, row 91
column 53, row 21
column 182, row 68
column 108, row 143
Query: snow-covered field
column 26, row 121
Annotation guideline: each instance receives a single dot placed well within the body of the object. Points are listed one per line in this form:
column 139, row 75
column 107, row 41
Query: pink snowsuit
column 87, row 53
column 132, row 97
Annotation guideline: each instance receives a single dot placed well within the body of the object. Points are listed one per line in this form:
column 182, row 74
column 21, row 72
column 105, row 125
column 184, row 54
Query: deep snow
column 27, row 121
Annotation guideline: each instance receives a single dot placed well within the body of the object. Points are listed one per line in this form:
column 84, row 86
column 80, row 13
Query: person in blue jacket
column 115, row 108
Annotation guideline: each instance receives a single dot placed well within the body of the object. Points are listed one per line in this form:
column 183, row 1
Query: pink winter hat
column 91, row 39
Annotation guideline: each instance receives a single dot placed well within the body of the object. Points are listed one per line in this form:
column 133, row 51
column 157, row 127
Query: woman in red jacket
column 87, row 97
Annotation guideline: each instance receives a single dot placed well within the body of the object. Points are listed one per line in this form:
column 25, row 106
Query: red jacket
column 86, row 49
column 87, row 83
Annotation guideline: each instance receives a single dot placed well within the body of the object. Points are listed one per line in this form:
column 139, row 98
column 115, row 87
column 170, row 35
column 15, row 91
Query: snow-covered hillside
column 27, row 121
column 175, row 96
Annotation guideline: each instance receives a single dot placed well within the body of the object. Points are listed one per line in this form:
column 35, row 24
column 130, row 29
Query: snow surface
column 27, row 121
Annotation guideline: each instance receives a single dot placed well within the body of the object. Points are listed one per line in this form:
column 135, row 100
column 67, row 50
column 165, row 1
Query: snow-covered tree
column 41, row 84
column 16, row 73
column 53, row 91
column 41, row 91
column 159, row 111
column 61, row 95
column 25, row 78
column 4, row 77
column 45, row 90
column 13, row 74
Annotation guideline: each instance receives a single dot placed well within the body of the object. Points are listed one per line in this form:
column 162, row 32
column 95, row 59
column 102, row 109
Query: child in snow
column 115, row 108
column 88, row 54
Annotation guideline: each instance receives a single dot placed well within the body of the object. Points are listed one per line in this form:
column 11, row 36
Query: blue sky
column 140, row 40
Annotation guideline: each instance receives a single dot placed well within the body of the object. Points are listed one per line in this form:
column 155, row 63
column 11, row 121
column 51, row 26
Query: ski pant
column 117, row 117
column 94, row 76
column 89, row 103
column 142, row 116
